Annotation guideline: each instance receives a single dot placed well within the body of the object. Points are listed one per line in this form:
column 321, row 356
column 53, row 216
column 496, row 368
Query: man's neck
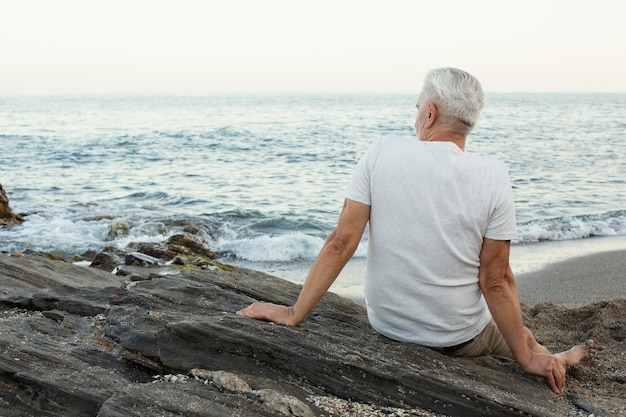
column 445, row 136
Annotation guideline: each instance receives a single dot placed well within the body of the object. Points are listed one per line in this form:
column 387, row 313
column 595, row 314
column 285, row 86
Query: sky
column 277, row 46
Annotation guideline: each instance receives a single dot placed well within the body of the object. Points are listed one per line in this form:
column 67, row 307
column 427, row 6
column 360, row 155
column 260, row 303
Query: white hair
column 456, row 93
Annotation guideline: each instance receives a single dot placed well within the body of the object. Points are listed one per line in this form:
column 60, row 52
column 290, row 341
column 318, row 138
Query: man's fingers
column 561, row 381
column 556, row 379
column 254, row 310
column 550, row 367
column 243, row 311
column 552, row 382
column 250, row 311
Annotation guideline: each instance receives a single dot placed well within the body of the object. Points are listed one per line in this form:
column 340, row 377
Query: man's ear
column 431, row 113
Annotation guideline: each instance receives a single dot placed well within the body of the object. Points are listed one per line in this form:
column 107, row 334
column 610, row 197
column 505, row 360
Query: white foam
column 49, row 233
column 282, row 248
column 573, row 228
column 149, row 232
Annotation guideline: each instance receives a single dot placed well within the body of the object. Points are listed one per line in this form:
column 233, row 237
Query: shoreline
column 531, row 257
column 572, row 273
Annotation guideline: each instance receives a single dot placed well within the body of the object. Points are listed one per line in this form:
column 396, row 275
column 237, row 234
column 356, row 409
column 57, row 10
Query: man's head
column 457, row 97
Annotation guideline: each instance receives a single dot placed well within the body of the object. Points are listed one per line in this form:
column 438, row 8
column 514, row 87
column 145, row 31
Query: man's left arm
column 336, row 252
column 497, row 284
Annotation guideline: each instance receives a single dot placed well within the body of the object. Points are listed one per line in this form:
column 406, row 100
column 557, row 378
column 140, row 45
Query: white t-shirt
column 431, row 206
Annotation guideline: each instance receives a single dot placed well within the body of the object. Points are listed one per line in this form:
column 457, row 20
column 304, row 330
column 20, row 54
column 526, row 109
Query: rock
column 105, row 261
column 178, row 249
column 117, row 229
column 24, row 276
column 88, row 255
column 284, row 404
column 192, row 263
column 155, row 250
column 223, row 380
column 78, row 341
column 192, row 230
column 7, row 217
column 109, row 259
column 100, row 218
column 188, row 246
column 48, row 255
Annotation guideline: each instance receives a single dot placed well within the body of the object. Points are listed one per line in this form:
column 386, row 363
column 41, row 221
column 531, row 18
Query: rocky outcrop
column 7, row 217
column 180, row 250
column 78, row 341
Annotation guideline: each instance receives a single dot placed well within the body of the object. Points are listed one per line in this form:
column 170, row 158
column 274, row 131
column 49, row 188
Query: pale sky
column 269, row 46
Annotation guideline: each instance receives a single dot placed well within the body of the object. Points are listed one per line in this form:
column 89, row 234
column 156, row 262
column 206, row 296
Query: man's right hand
column 270, row 312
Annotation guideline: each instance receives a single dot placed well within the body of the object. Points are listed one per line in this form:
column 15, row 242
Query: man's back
column 440, row 229
column 431, row 206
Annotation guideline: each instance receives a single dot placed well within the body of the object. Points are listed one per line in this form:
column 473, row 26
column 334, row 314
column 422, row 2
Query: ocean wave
column 285, row 248
column 142, row 195
column 576, row 227
column 50, row 232
column 215, row 134
column 159, row 198
column 246, row 235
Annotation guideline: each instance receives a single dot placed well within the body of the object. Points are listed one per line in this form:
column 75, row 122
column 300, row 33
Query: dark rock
column 184, row 250
column 188, row 246
column 48, row 255
column 192, row 230
column 56, row 315
column 154, row 250
column 29, row 274
column 134, row 278
column 81, row 342
column 7, row 217
column 100, row 218
column 192, row 263
column 89, row 255
column 179, row 260
column 106, row 261
column 109, row 259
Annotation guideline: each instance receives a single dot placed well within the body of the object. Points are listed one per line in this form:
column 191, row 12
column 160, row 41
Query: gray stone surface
column 76, row 341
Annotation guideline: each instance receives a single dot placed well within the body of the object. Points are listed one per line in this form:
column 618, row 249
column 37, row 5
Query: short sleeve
column 358, row 189
column 502, row 224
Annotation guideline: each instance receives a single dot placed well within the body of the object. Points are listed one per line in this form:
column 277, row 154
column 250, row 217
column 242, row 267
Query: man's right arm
column 338, row 249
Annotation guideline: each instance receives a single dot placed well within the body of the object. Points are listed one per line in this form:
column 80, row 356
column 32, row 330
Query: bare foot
column 578, row 353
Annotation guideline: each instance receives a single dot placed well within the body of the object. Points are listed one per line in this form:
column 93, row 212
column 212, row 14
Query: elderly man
column 441, row 222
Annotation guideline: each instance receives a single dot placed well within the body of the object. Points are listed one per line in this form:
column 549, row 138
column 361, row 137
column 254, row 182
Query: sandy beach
column 578, row 298
column 577, row 281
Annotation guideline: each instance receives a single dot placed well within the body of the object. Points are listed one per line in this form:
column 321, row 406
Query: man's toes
column 591, row 348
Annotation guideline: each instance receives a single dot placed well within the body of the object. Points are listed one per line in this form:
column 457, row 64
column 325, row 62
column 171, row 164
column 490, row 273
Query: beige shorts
column 489, row 341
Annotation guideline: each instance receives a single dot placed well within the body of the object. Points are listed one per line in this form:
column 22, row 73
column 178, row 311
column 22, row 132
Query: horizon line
column 270, row 93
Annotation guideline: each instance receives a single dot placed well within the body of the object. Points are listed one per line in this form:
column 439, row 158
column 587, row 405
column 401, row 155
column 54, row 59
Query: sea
column 262, row 176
